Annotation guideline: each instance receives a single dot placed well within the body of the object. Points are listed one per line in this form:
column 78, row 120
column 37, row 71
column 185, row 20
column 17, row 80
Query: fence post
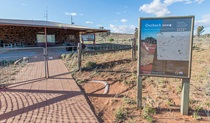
column 79, row 55
column 46, row 63
column 132, row 51
column 134, row 48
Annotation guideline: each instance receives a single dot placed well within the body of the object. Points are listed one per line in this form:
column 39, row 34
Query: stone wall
column 27, row 35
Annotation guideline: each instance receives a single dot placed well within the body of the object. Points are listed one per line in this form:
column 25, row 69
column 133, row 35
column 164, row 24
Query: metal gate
column 29, row 63
column 17, row 63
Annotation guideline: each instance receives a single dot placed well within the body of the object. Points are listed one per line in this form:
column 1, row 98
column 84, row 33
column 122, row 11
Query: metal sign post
column 139, row 79
column 185, row 96
column 139, row 92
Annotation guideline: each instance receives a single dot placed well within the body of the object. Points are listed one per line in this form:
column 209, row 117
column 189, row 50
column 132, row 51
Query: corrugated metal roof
column 48, row 24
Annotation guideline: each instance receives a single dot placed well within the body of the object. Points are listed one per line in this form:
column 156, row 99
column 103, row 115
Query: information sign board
column 165, row 46
column 88, row 37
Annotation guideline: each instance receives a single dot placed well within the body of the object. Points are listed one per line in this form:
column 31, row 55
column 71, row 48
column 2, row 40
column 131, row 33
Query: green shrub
column 129, row 101
column 111, row 39
column 147, row 113
column 90, row 65
column 63, row 56
column 120, row 115
column 196, row 116
column 68, row 56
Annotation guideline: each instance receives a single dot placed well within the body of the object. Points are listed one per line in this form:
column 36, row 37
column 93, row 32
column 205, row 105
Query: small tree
column 111, row 39
column 101, row 27
column 136, row 33
column 200, row 30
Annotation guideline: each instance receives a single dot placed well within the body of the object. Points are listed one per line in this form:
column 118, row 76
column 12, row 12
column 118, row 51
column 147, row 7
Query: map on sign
column 173, row 46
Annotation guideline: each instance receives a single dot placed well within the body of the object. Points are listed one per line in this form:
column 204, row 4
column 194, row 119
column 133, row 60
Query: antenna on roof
column 72, row 20
column 46, row 14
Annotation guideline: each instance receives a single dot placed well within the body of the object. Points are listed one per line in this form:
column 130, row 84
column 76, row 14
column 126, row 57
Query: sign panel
column 165, row 46
column 88, row 37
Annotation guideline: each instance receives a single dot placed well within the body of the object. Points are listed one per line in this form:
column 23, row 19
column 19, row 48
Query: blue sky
column 119, row 16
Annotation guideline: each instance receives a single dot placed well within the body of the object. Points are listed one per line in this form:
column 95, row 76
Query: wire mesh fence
column 15, row 63
column 69, row 54
column 106, row 47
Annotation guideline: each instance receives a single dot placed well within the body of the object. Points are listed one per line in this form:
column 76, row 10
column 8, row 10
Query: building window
column 41, row 38
column 72, row 37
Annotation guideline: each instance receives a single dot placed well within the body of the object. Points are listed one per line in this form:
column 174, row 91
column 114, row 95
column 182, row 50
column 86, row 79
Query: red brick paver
column 38, row 100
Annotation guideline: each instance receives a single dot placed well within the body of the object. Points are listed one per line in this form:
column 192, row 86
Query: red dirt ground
column 161, row 94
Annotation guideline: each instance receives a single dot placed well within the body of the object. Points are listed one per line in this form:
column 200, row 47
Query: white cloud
column 155, row 7
column 124, row 20
column 188, row 2
column 73, row 13
column 122, row 29
column 89, row 22
column 160, row 8
column 204, row 21
column 199, row 1
column 169, row 2
column 66, row 13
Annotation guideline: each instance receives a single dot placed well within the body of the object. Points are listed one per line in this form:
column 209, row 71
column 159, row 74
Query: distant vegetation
column 111, row 39
column 114, row 38
column 200, row 30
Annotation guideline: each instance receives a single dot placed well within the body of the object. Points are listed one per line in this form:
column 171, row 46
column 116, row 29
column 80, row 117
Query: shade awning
column 49, row 24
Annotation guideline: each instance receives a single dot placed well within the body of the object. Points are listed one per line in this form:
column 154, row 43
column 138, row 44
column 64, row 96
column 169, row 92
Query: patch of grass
column 178, row 89
column 129, row 101
column 208, row 104
column 144, row 98
column 134, row 76
column 68, row 56
column 94, row 73
column 170, row 102
column 191, row 102
column 63, row 56
column 132, row 121
column 120, row 115
column 114, row 100
column 91, row 65
column 196, row 116
column 127, row 82
column 147, row 113
column 81, row 81
column 149, row 119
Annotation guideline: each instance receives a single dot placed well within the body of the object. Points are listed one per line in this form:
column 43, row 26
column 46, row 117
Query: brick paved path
column 39, row 100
